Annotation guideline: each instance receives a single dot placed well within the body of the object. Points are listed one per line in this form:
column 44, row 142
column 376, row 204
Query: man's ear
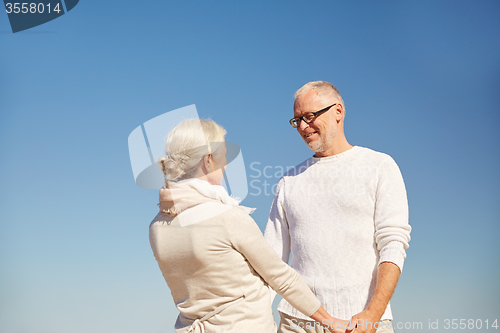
column 339, row 112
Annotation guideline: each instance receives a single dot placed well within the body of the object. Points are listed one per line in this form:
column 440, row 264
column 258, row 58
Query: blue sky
column 420, row 80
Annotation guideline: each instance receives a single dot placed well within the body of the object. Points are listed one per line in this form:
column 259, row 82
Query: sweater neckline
column 336, row 157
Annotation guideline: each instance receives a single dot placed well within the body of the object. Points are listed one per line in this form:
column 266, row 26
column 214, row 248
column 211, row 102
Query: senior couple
column 343, row 213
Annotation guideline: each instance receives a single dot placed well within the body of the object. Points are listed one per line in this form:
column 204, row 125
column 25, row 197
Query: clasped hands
column 363, row 322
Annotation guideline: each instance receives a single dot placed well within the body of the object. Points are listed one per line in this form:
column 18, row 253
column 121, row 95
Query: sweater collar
column 337, row 157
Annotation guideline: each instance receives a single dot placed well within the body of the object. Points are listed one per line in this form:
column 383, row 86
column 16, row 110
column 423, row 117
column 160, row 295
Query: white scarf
column 184, row 194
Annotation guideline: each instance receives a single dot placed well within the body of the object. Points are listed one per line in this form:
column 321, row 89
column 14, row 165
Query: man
column 343, row 214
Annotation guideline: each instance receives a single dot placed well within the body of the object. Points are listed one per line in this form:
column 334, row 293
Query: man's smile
column 308, row 135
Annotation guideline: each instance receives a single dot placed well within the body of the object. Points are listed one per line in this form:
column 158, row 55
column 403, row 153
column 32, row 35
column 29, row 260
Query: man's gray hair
column 325, row 91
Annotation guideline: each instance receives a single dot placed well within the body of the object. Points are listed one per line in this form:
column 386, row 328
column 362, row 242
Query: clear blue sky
column 420, row 80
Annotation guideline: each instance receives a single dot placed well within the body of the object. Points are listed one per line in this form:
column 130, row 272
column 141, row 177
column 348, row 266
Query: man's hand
column 338, row 326
column 365, row 322
column 334, row 325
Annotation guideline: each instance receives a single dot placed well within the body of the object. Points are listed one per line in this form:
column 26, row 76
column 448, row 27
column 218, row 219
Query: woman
column 211, row 253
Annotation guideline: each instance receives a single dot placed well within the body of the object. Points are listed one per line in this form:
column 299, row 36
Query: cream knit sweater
column 340, row 216
column 208, row 263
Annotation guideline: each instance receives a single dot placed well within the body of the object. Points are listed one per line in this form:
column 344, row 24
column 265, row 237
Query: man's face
column 319, row 134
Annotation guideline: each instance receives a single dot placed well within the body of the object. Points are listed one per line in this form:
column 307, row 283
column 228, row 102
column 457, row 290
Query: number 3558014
column 31, row 8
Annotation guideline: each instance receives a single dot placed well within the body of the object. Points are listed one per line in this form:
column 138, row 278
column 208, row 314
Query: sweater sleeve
column 247, row 239
column 276, row 233
column 392, row 231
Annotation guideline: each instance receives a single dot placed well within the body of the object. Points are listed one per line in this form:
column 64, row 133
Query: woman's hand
column 334, row 325
column 339, row 326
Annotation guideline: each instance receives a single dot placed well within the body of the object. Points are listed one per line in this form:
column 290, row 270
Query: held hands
column 334, row 325
column 338, row 326
column 364, row 322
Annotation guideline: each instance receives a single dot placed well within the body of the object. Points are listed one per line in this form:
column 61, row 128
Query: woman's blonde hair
column 186, row 145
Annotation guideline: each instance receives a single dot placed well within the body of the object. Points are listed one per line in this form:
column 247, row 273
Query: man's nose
column 303, row 125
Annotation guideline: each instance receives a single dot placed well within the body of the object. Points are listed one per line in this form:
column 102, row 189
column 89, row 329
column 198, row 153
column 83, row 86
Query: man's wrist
column 374, row 314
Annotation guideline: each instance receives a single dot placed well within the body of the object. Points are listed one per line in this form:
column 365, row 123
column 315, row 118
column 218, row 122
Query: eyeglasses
column 309, row 117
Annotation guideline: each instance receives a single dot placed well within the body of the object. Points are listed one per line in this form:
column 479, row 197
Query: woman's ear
column 208, row 166
column 212, row 163
column 205, row 165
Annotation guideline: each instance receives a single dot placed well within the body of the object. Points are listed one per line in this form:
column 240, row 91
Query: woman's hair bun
column 186, row 145
column 174, row 165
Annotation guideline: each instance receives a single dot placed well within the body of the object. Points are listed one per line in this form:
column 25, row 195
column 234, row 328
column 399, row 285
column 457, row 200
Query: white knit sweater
column 340, row 217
